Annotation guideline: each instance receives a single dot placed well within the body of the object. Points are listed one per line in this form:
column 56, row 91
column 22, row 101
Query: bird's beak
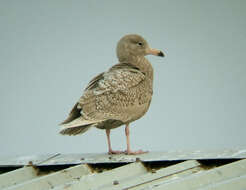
column 155, row 52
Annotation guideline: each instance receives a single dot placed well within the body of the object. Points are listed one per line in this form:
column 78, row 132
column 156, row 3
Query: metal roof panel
column 17, row 176
column 206, row 178
column 55, row 179
column 152, row 176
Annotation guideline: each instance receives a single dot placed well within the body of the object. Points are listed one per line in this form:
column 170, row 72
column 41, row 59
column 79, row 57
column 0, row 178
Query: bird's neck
column 141, row 63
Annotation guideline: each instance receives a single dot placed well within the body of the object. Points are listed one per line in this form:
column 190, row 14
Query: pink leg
column 128, row 150
column 110, row 151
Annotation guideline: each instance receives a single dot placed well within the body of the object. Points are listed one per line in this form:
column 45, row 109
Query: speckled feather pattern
column 118, row 94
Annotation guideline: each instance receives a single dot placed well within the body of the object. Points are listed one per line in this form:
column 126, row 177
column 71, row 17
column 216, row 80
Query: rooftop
column 186, row 170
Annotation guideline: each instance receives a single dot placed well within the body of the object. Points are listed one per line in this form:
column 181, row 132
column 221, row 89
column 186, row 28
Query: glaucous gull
column 118, row 96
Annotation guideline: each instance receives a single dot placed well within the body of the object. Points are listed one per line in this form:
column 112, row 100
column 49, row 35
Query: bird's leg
column 110, row 151
column 128, row 150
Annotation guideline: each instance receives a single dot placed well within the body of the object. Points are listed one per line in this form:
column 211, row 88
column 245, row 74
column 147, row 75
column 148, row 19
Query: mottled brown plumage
column 118, row 96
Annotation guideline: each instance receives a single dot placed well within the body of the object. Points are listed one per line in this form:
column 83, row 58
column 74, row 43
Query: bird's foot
column 129, row 152
column 115, row 152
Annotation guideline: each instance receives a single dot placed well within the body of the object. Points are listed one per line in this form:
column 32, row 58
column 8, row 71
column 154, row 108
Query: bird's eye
column 140, row 43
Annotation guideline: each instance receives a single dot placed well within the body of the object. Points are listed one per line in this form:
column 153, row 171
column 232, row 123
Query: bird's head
column 135, row 45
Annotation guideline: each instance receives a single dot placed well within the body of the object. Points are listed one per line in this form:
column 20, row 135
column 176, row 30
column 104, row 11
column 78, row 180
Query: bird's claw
column 115, row 152
column 129, row 152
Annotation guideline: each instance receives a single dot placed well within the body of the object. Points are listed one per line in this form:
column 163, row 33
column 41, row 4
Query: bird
column 118, row 96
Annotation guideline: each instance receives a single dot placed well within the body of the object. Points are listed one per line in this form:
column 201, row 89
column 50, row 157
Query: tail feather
column 77, row 126
column 75, row 130
column 75, row 113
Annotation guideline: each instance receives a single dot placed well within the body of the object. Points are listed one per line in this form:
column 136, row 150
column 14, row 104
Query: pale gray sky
column 49, row 51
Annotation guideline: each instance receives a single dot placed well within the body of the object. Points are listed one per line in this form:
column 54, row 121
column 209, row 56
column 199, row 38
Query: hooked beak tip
column 161, row 54
column 155, row 52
